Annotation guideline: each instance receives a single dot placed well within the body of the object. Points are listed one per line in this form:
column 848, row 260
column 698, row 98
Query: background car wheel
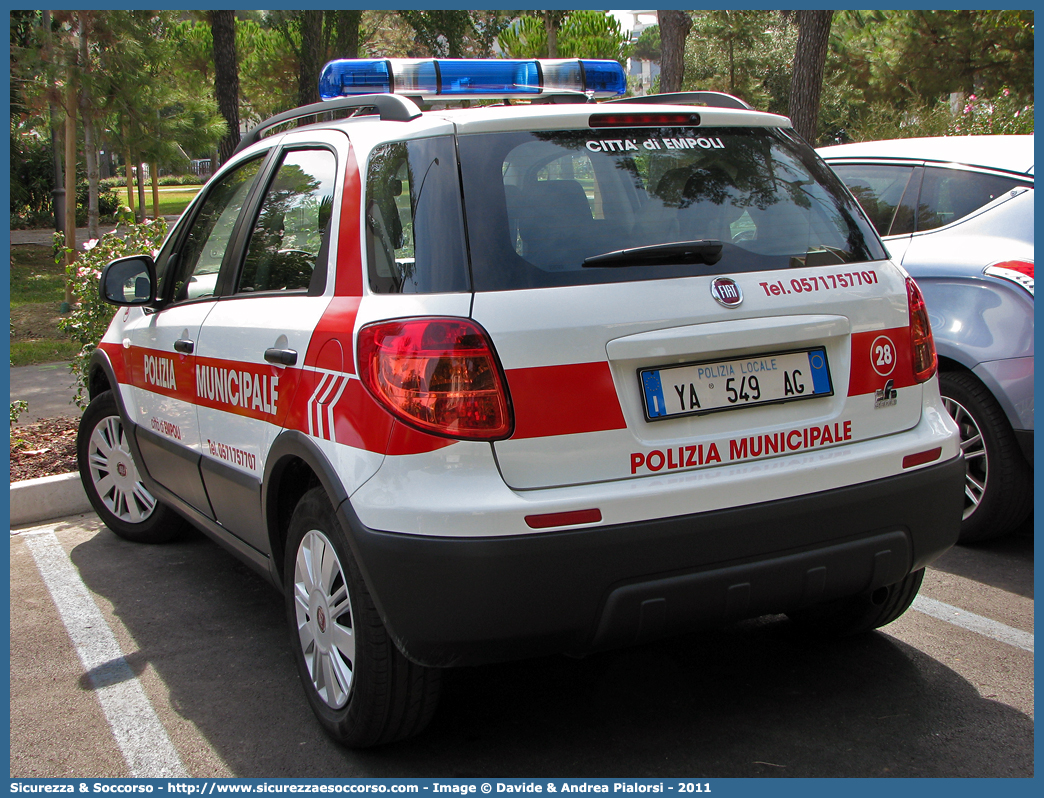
column 362, row 689
column 861, row 613
column 111, row 479
column 998, row 491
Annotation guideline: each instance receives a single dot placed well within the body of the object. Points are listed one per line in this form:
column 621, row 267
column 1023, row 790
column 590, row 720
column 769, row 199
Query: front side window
column 540, row 204
column 196, row 264
column 292, row 225
column 414, row 223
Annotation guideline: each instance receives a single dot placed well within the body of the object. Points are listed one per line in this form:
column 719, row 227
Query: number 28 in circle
column 882, row 355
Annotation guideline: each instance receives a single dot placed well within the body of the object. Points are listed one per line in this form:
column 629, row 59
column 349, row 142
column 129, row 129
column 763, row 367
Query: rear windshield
column 538, row 204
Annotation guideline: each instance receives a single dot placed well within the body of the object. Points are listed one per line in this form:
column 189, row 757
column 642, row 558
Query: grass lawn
column 35, row 277
column 171, row 200
column 37, row 291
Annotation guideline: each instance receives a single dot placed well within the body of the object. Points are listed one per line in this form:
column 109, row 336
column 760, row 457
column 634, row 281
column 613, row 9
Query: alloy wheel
column 324, row 618
column 976, row 459
column 114, row 475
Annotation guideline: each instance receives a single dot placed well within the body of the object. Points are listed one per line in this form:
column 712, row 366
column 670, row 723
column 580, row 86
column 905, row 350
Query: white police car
column 490, row 383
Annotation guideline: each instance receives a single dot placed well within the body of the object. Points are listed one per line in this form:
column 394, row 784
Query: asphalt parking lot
column 184, row 669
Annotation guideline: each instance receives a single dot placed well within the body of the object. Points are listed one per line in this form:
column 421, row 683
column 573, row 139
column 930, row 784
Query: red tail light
column 1021, row 266
column 925, row 361
column 439, row 375
column 1019, row 272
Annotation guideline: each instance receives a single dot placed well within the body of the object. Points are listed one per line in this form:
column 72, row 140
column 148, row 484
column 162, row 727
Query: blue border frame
column 827, row 787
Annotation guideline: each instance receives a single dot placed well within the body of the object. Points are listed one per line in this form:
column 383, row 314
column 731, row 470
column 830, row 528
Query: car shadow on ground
column 751, row 700
column 1005, row 563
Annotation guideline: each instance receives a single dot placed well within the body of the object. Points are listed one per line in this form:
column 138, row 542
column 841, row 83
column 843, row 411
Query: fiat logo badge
column 726, row 291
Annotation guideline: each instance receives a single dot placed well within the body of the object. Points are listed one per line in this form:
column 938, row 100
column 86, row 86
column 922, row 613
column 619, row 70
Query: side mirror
column 129, row 281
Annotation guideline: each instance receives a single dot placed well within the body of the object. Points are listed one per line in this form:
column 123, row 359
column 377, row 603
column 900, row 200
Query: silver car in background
column 957, row 213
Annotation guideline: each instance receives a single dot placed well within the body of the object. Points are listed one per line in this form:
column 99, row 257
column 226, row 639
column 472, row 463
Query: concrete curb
column 34, row 500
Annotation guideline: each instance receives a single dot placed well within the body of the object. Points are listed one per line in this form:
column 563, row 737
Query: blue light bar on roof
column 470, row 77
column 461, row 77
column 365, row 77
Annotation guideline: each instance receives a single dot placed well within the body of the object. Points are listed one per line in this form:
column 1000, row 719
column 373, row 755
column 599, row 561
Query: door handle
column 184, row 345
column 281, row 357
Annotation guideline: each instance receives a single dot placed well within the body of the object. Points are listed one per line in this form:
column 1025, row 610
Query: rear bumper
column 467, row 601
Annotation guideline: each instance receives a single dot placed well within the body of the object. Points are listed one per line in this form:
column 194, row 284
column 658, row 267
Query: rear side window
column 414, row 222
column 292, row 226
column 879, row 189
column 538, row 204
column 950, row 194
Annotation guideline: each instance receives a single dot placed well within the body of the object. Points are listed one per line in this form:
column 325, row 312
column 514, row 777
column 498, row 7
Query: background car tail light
column 1019, row 272
column 439, row 375
column 925, row 361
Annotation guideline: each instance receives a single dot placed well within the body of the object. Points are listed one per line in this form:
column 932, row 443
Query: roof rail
column 391, row 107
column 714, row 99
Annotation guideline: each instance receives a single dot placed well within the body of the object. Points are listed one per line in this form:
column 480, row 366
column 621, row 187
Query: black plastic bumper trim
column 468, row 601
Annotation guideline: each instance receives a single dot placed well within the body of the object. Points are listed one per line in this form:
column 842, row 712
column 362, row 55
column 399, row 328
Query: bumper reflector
column 921, row 458
column 564, row 519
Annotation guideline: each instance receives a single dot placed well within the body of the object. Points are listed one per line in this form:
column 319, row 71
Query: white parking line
column 138, row 731
column 974, row 623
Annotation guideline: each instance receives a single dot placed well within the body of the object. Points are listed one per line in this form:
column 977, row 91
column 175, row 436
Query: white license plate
column 695, row 388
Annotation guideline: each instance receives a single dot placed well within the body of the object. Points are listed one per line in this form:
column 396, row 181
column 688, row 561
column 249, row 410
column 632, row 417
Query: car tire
column 111, row 479
column 362, row 689
column 998, row 492
column 862, row 613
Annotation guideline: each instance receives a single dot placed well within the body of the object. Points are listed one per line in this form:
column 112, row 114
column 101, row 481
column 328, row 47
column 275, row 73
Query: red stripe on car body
column 564, row 400
column 337, row 324
column 348, row 281
column 116, row 360
column 285, row 397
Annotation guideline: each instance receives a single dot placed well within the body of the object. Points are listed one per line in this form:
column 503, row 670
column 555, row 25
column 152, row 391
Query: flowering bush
column 90, row 316
column 1005, row 113
column 18, row 406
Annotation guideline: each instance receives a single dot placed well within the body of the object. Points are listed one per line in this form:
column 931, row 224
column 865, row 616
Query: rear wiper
column 706, row 251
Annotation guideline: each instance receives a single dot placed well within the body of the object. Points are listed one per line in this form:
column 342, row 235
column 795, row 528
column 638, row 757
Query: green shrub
column 32, row 183
column 108, row 203
column 182, row 180
column 32, row 178
column 119, row 184
column 887, row 121
column 90, row 317
column 1005, row 113
column 647, row 48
